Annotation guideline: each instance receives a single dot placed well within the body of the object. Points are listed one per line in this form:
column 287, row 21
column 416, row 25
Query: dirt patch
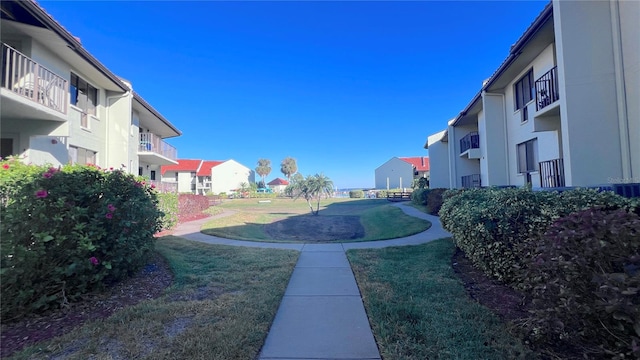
column 311, row 228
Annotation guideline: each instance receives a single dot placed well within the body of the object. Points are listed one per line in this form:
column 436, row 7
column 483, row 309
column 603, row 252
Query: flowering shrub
column 67, row 231
column 192, row 204
column 168, row 204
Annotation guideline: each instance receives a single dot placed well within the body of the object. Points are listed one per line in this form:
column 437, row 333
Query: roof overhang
column 152, row 119
column 442, row 136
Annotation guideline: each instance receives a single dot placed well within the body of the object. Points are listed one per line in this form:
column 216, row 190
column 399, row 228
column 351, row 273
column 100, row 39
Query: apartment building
column 563, row 109
column 60, row 105
column 207, row 176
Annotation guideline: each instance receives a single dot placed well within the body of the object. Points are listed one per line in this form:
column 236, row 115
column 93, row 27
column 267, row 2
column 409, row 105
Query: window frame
column 83, row 95
column 527, row 155
column 520, row 99
column 87, row 155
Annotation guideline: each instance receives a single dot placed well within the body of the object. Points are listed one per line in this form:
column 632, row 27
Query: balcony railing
column 547, row 89
column 471, row 181
column 470, row 141
column 150, row 142
column 33, row 81
column 552, row 173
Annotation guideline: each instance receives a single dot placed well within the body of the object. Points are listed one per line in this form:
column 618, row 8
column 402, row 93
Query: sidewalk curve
column 321, row 315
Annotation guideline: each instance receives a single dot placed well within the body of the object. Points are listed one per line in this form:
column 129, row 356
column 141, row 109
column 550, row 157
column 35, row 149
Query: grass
column 220, row 306
column 379, row 219
column 419, row 309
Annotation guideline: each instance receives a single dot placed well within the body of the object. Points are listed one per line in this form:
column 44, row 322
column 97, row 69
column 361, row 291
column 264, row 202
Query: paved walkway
column 321, row 315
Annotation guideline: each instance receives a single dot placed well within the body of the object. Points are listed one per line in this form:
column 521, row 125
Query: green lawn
column 419, row 309
column 220, row 306
column 379, row 219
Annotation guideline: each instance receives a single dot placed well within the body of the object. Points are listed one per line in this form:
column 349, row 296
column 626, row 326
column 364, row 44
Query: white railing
column 31, row 80
column 150, row 142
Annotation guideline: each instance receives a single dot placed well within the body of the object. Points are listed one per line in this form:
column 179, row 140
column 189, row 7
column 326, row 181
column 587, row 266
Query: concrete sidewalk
column 321, row 315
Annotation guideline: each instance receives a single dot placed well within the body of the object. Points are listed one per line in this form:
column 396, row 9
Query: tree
column 288, row 167
column 313, row 187
column 264, row 168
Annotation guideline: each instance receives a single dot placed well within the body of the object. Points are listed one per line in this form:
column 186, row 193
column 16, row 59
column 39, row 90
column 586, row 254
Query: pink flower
column 153, row 186
column 111, row 208
column 47, row 175
column 109, row 215
column 94, row 260
column 52, row 170
column 5, row 166
column 41, row 194
column 111, row 168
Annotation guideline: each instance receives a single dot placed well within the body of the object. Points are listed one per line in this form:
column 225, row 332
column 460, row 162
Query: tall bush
column 168, row 205
column 435, row 200
column 419, row 196
column 585, row 277
column 67, row 231
column 356, row 194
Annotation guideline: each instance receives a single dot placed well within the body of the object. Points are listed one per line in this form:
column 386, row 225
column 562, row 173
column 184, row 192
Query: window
column 82, row 156
column 140, row 172
column 153, row 174
column 83, row 95
column 524, row 91
column 527, row 156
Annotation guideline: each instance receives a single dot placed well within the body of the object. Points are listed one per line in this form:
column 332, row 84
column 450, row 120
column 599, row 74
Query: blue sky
column 340, row 86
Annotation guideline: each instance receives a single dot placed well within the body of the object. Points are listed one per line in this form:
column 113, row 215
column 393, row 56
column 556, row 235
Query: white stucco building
column 399, row 172
column 207, row 176
column 563, row 109
column 60, row 105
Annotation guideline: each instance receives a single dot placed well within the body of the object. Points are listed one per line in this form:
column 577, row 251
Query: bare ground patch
column 316, row 228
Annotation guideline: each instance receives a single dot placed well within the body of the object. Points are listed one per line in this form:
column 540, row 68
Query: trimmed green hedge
column 356, row 194
column 67, row 231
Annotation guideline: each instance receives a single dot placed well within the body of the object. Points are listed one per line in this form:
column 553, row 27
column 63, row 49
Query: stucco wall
column 228, row 176
column 438, row 165
column 398, row 172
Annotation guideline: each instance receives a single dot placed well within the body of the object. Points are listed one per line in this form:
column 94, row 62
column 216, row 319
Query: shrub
column 419, row 196
column 192, row 204
column 168, row 204
column 497, row 228
column 67, row 231
column 381, row 194
column 356, row 194
column 585, row 274
column 434, row 200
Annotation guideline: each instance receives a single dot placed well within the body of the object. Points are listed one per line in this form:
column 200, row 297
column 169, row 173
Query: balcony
column 27, row 79
column 547, row 89
column 470, row 146
column 471, row 181
column 154, row 150
column 165, row 186
column 552, row 173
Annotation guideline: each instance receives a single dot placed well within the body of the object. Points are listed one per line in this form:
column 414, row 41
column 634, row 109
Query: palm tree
column 263, row 169
column 314, row 187
column 288, row 167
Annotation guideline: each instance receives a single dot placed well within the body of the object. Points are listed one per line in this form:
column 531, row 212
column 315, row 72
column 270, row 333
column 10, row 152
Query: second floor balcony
column 153, row 149
column 547, row 89
column 552, row 173
column 28, row 79
column 470, row 145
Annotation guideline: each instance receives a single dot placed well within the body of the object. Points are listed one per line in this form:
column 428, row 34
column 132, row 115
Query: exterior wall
column 396, row 173
column 120, row 147
column 185, row 182
column 439, row 165
column 228, row 176
column 589, row 101
column 493, row 141
column 629, row 13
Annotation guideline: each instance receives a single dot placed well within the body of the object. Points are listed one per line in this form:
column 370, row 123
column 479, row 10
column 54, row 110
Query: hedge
column 356, row 194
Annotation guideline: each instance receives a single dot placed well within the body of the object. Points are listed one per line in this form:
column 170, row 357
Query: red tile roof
column 205, row 168
column 183, row 165
column 421, row 163
column 278, row 181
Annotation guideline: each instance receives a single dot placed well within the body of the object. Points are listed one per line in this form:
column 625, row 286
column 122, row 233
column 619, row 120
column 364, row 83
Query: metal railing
column 471, row 181
column 552, row 173
column 165, row 186
column 470, row 141
column 150, row 142
column 547, row 89
column 33, row 81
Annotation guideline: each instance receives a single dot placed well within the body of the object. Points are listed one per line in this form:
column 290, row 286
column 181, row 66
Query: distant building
column 399, row 172
column 207, row 176
column 278, row 185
